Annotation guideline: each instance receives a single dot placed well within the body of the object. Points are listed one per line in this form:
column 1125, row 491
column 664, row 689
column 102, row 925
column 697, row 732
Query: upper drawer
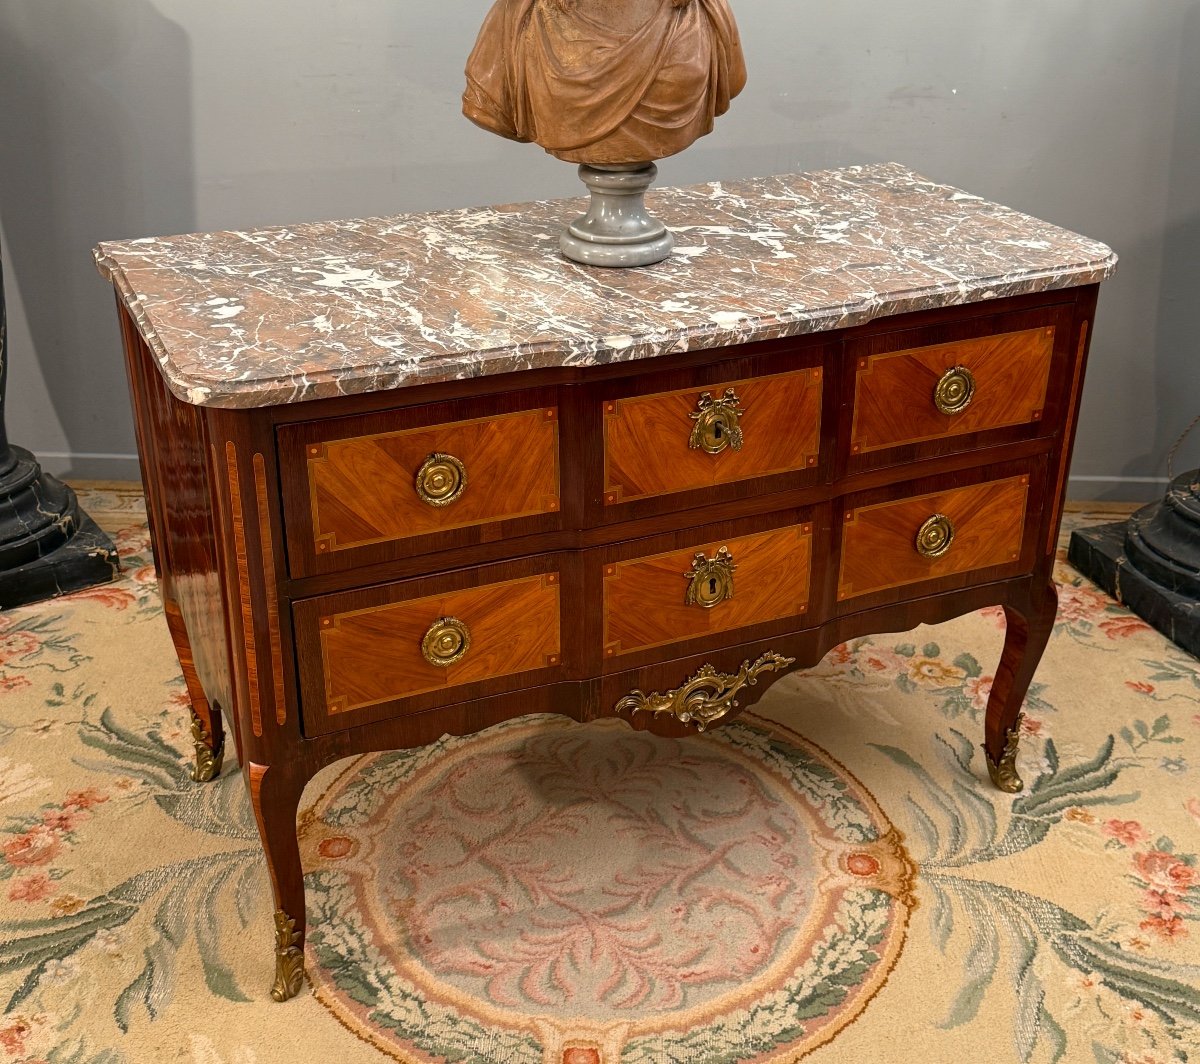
column 981, row 529
column 377, row 487
column 698, row 437
column 396, row 649
column 928, row 391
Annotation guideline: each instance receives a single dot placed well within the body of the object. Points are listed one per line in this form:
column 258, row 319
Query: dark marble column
column 48, row 545
column 1151, row 562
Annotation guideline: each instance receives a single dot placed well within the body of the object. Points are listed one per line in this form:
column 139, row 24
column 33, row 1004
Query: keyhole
column 712, row 586
column 718, row 430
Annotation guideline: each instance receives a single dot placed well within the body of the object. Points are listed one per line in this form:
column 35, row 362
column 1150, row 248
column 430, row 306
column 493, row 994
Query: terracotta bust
column 604, row 82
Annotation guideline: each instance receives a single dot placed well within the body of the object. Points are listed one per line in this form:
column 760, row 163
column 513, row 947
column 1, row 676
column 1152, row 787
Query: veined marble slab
column 280, row 315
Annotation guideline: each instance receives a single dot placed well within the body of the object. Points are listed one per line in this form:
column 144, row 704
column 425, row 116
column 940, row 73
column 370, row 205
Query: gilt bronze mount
column 935, row 536
column 446, row 642
column 1004, row 772
column 441, row 479
column 954, row 390
column 289, row 958
column 707, row 696
column 207, row 764
column 710, row 580
column 718, row 423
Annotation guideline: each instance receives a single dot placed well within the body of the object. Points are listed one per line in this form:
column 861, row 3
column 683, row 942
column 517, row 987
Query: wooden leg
column 1029, row 626
column 275, row 795
column 208, row 732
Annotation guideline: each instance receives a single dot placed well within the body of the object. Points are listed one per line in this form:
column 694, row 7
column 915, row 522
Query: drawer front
column 928, row 393
column 359, row 496
column 893, row 544
column 700, row 437
column 371, row 659
column 685, row 594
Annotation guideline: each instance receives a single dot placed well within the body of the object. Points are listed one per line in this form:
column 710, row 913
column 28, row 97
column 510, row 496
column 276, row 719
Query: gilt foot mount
column 208, row 761
column 289, row 958
column 1004, row 771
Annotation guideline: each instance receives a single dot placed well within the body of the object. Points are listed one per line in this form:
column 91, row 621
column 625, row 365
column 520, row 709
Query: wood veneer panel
column 644, row 598
column 646, row 450
column 893, row 401
column 362, row 491
column 373, row 655
column 879, row 541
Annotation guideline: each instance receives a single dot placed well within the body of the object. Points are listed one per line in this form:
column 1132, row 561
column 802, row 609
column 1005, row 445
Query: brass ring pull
column 717, row 423
column 954, row 390
column 710, row 580
column 446, row 642
column 935, row 536
column 441, row 479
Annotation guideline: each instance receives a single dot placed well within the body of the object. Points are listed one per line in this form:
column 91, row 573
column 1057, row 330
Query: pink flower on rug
column 1165, row 871
column 16, row 645
column 85, row 799
column 1078, row 603
column 1123, row 627
column 881, row 659
column 977, row 689
column 132, row 540
column 1140, row 686
column 37, row 887
column 113, row 598
column 1192, row 805
column 1167, row 930
column 36, row 846
column 995, row 614
column 13, row 683
column 1126, row 832
column 12, row 1037
column 144, row 575
column 1030, row 725
column 62, row 819
column 1164, row 903
column 841, row 654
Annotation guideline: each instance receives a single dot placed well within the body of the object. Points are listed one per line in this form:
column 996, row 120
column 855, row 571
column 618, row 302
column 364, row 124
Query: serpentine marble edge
column 285, row 314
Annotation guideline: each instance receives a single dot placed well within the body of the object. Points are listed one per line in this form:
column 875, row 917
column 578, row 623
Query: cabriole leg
column 208, row 732
column 1029, row 626
column 276, row 797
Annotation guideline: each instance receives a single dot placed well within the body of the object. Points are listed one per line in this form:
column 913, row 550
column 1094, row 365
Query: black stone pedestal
column 48, row 545
column 1151, row 563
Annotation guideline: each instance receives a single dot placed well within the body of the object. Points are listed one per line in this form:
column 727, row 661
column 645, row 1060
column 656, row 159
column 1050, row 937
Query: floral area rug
column 831, row 878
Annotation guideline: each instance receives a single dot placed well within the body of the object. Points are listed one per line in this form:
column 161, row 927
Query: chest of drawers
column 414, row 476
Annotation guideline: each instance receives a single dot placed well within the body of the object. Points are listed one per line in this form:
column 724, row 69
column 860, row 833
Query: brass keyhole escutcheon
column 954, row 390
column 446, row 642
column 710, row 580
column 935, row 536
column 718, row 423
column 441, row 479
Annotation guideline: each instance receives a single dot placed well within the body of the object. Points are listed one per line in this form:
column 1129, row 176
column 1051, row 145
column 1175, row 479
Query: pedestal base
column 617, row 230
column 48, row 545
column 1099, row 554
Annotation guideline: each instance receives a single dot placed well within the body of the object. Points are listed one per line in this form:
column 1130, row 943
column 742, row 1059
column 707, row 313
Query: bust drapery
column 604, row 82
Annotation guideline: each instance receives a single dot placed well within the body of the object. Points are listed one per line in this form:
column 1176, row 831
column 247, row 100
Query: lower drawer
column 704, row 588
column 969, row 531
column 396, row 649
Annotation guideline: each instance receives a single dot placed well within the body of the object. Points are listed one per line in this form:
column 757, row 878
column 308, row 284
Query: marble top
column 280, row 315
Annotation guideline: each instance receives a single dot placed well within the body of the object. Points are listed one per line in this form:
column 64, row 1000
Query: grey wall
column 123, row 118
